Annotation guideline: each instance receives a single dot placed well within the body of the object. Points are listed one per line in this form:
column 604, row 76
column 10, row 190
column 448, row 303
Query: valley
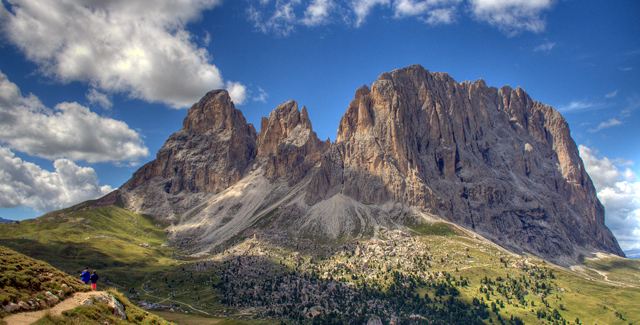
column 433, row 272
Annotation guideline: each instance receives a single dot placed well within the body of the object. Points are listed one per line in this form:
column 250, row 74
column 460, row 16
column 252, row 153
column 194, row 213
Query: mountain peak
column 413, row 143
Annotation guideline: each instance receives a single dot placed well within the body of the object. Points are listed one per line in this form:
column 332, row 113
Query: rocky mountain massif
column 414, row 146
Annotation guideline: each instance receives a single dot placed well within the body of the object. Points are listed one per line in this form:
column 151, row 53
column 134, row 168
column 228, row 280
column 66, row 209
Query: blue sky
column 90, row 90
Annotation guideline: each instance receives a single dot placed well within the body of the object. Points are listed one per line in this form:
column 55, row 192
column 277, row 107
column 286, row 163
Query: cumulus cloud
column 70, row 130
column 362, row 8
column 512, row 16
column 26, row 184
column 431, row 11
column 96, row 97
column 237, row 92
column 318, row 12
column 147, row 52
column 441, row 16
column 606, row 125
column 619, row 192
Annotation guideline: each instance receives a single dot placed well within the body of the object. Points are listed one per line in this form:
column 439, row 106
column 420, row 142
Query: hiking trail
column 28, row 317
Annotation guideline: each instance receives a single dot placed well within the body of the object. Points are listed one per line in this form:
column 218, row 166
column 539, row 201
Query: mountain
column 413, row 147
column 6, row 220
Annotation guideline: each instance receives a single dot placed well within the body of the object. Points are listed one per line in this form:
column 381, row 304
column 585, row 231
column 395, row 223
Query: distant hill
column 6, row 220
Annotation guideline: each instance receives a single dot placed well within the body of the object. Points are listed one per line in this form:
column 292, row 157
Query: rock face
column 210, row 153
column 288, row 144
column 491, row 160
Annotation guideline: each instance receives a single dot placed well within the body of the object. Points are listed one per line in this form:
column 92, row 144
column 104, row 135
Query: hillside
column 436, row 271
column 27, row 285
column 90, row 234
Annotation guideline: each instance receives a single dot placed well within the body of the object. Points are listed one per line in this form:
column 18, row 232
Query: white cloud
column 544, row 47
column 262, row 96
column 139, row 48
column 237, row 92
column 611, row 94
column 318, row 12
column 410, row 7
column 67, row 131
column 606, row 125
column 282, row 21
column 436, row 11
column 26, row 184
column 96, row 97
column 619, row 192
column 575, row 106
column 441, row 16
column 362, row 8
column 512, row 16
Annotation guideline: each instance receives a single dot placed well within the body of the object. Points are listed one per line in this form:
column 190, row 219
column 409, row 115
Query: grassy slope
column 26, row 279
column 101, row 314
column 107, row 238
column 591, row 300
column 573, row 295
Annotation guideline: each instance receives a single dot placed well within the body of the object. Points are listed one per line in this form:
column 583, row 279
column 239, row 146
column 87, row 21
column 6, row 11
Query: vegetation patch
column 32, row 283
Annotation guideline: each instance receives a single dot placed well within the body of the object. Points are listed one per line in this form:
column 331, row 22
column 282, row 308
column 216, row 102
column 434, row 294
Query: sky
column 90, row 90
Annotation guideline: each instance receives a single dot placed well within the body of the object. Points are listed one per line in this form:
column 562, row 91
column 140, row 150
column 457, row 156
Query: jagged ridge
column 413, row 144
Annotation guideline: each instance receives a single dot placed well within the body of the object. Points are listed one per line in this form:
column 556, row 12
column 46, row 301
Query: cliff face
column 287, row 143
column 210, row 152
column 491, row 160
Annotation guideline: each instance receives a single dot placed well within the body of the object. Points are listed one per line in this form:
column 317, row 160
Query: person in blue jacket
column 86, row 275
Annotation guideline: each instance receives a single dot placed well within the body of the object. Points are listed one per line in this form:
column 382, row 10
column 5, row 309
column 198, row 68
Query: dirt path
column 167, row 299
column 29, row 317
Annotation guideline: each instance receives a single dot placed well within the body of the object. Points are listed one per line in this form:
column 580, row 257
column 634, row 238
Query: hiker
column 86, row 275
column 94, row 281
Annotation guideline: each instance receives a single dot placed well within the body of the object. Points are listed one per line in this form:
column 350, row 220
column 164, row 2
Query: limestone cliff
column 288, row 144
column 492, row 160
column 414, row 143
column 211, row 152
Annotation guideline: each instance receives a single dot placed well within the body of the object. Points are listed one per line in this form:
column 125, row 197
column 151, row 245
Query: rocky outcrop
column 288, row 144
column 413, row 143
column 492, row 160
column 211, row 152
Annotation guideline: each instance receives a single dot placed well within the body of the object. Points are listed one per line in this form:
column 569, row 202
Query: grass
column 97, row 237
column 100, row 313
column 26, row 279
column 193, row 318
column 108, row 238
column 434, row 229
